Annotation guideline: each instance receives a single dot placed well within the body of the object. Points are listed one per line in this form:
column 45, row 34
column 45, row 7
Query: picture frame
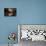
column 10, row 12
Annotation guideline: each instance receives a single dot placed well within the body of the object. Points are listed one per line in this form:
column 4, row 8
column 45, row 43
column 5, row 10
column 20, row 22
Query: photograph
column 9, row 11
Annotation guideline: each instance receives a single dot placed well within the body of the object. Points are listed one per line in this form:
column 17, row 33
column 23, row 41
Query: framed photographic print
column 10, row 11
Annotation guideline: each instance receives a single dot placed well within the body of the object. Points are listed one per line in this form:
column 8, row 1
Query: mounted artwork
column 9, row 11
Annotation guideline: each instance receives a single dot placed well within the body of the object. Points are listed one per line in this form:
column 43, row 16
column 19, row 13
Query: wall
column 28, row 12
